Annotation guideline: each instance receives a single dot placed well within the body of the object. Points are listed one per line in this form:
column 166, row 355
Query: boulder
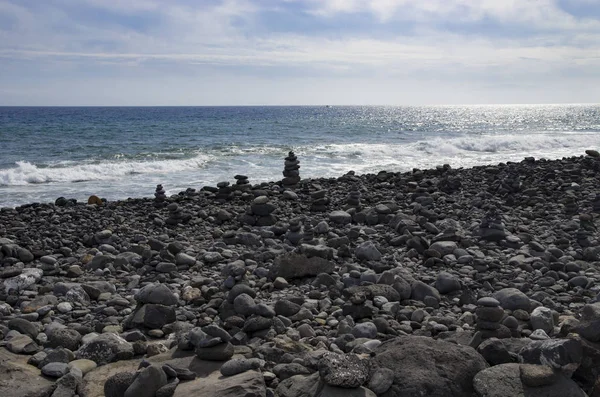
column 426, row 367
column 156, row 293
column 106, row 348
column 513, row 299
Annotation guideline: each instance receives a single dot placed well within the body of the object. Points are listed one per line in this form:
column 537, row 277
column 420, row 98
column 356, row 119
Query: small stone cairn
column 225, row 192
column 308, row 234
column 291, row 170
column 320, row 201
column 159, row 197
column 353, row 199
column 294, row 235
column 489, row 317
column 176, row 215
column 260, row 213
column 596, row 203
column 571, row 206
column 491, row 227
column 242, row 183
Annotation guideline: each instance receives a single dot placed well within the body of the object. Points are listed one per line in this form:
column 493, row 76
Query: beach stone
column 512, row 299
column 22, row 344
column 239, row 365
column 106, row 348
column 55, row 369
column 286, row 308
column 563, row 354
column 153, row 316
column 18, row 379
column 292, row 266
column 249, row 383
column 589, row 325
column 343, row 370
column 444, row 247
column 244, row 304
column 367, row 252
column 117, row 384
column 23, row 326
column 340, row 217
column 420, row 290
column 541, row 318
column 381, row 380
column 424, row 366
column 83, row 365
column 488, row 302
column 156, row 294
column 147, row 382
column 364, row 330
column 447, row 283
column 220, row 352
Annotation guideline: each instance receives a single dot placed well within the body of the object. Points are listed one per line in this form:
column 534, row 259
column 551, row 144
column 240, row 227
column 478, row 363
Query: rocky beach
column 480, row 281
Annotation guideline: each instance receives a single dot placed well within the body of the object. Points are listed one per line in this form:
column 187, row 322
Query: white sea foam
column 119, row 178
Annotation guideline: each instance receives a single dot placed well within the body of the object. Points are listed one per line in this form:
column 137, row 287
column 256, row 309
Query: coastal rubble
column 442, row 282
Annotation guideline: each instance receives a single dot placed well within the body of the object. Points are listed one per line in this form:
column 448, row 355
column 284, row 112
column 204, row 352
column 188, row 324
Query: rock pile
column 159, row 197
column 491, row 227
column 260, row 213
column 320, row 201
column 224, row 192
column 177, row 215
column 596, row 203
column 242, row 183
column 291, row 170
column 489, row 319
column 353, row 199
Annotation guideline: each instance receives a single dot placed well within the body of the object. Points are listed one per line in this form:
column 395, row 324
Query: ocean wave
column 27, row 173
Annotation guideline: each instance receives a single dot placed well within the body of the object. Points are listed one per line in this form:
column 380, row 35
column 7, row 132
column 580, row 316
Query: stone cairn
column 159, row 197
column 320, row 201
column 241, row 183
column 489, row 317
column 571, row 206
column 176, row 215
column 294, row 235
column 260, row 213
column 291, row 170
column 596, row 203
column 491, row 227
column 308, row 234
column 353, row 199
column 225, row 192
column 583, row 234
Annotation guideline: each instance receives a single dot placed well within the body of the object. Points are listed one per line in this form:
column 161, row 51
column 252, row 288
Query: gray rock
column 64, row 337
column 291, row 266
column 147, row 382
column 156, row 293
column 106, row 348
column 151, row 315
column 381, row 380
column 365, row 330
column 23, row 326
column 117, row 384
column 444, row 247
column 563, row 354
column 426, row 367
column 220, row 352
column 505, row 380
column 513, row 299
column 447, row 283
column 420, row 290
column 367, row 252
column 541, row 318
column 244, row 304
column 589, row 326
column 55, row 370
column 239, row 365
column 340, row 217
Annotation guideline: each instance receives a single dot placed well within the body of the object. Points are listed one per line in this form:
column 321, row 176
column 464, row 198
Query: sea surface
column 121, row 152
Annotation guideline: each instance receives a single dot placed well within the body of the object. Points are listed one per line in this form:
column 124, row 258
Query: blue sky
column 294, row 52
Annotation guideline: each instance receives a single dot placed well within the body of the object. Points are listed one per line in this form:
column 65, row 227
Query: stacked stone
column 305, row 189
column 449, row 184
column 176, row 215
column 320, row 201
column 241, row 183
column 291, row 170
column 596, row 203
column 571, row 206
column 309, row 234
column 260, row 213
column 353, row 199
column 155, row 308
column 491, row 227
column 294, row 235
column 211, row 343
column 582, row 236
column 225, row 192
column 489, row 317
column 159, row 196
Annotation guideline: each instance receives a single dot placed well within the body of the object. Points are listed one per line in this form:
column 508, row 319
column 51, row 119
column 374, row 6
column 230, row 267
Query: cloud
column 493, row 42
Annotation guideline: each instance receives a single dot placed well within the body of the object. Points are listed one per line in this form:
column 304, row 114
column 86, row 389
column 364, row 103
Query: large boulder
column 426, row 367
column 508, row 380
column 292, row 266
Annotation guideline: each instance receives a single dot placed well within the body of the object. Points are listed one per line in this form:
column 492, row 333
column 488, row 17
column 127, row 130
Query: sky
column 298, row 52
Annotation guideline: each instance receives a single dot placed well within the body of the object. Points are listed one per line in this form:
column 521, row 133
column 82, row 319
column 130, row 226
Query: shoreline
column 440, row 280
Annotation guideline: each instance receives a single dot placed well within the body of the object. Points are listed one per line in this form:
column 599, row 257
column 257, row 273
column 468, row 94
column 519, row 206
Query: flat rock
column 249, row 383
column 19, row 379
column 291, row 266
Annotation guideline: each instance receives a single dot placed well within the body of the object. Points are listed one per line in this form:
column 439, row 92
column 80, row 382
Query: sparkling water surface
column 120, row 152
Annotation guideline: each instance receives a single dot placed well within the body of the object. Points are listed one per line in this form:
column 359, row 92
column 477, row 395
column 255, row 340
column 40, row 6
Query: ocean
column 121, row 152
